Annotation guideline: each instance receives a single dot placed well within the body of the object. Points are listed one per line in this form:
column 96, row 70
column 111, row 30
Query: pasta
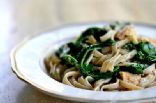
column 112, row 58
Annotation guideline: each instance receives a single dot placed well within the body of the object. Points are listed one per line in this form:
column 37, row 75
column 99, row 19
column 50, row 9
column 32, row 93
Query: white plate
column 27, row 63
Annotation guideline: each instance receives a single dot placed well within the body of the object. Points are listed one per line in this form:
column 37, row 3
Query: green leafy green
column 108, row 42
column 130, row 46
column 135, row 69
column 74, row 49
column 89, row 70
column 146, row 53
column 147, row 48
column 69, row 59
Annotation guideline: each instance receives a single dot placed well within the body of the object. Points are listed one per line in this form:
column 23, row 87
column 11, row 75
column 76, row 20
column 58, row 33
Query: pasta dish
column 110, row 58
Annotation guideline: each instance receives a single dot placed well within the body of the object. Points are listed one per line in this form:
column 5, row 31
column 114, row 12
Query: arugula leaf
column 101, row 45
column 70, row 60
column 74, row 49
column 116, row 70
column 145, row 58
column 135, row 69
column 147, row 48
column 146, row 53
column 130, row 46
column 151, row 58
column 90, row 70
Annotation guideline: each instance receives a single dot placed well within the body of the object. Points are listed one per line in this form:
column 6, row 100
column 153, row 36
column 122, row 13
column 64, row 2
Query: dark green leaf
column 89, row 70
column 147, row 48
column 135, row 69
column 70, row 59
column 146, row 53
column 130, row 46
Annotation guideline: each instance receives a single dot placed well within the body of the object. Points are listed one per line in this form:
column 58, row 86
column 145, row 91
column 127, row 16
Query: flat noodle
column 77, row 84
column 109, row 64
column 109, row 34
column 146, row 81
column 97, row 54
column 123, row 51
column 150, row 69
column 68, row 75
column 118, row 45
column 122, row 43
column 127, row 56
column 86, row 81
column 55, row 72
column 99, row 83
column 68, row 70
column 100, row 58
column 129, row 86
column 152, row 84
column 114, row 49
column 112, row 86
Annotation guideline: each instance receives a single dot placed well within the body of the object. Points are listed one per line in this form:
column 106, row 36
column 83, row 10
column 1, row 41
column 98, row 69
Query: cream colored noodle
column 105, row 60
